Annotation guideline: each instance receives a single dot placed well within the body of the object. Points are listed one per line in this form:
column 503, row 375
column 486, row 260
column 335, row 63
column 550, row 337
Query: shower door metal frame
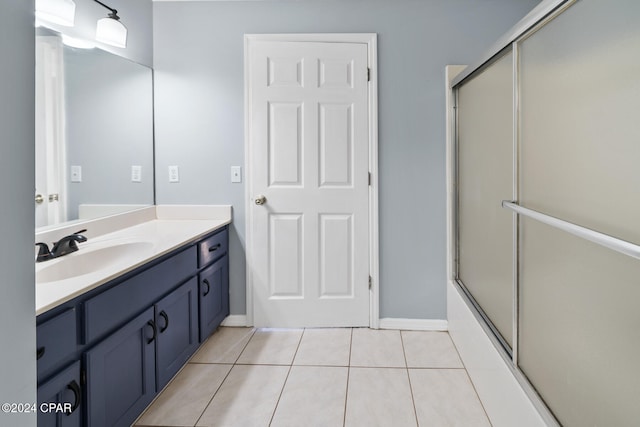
column 510, row 42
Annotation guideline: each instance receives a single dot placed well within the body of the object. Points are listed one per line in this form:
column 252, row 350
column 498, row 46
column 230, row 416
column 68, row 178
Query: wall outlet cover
column 136, row 173
column 236, row 174
column 76, row 173
column 174, row 174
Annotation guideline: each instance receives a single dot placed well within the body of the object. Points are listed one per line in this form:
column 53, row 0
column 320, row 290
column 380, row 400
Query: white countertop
column 141, row 242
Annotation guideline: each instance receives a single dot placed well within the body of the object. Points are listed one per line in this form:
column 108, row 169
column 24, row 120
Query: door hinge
column 369, row 178
column 369, row 282
column 368, row 74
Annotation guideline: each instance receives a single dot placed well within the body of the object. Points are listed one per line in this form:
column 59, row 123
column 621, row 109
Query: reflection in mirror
column 94, row 133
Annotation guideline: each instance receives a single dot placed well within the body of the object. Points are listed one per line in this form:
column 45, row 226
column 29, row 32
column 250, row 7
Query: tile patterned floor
column 320, row 377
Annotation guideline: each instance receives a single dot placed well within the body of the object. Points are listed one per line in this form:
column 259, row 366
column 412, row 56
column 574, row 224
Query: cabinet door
column 111, row 308
column 177, row 320
column 61, row 397
column 121, row 379
column 214, row 296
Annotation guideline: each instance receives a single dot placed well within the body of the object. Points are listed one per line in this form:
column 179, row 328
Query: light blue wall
column 198, row 61
column 109, row 101
column 17, row 185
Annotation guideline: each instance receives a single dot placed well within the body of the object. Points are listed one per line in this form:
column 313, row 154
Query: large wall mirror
column 94, row 133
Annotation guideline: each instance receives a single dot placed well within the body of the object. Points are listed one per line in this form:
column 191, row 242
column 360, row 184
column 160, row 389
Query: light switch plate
column 236, row 174
column 136, row 173
column 76, row 173
column 174, row 174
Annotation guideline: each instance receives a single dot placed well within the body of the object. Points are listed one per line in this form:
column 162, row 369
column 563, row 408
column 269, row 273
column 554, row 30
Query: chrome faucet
column 64, row 246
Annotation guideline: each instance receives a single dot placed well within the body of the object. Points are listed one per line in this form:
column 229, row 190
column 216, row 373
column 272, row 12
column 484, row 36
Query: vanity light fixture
column 61, row 12
column 110, row 30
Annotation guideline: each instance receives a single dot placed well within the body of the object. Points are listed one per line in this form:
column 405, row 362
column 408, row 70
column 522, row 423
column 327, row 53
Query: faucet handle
column 43, row 252
column 78, row 237
column 67, row 244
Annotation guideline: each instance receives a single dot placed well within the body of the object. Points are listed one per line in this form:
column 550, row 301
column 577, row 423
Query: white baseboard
column 502, row 396
column 235, row 320
column 414, row 324
column 388, row 323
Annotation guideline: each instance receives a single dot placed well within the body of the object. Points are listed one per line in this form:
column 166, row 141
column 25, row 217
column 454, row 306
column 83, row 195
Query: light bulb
column 112, row 32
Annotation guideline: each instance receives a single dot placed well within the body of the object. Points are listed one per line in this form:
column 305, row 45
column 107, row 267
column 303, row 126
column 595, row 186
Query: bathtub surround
column 198, row 62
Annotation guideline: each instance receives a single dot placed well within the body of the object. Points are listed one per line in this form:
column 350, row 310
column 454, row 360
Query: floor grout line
column 426, row 368
column 346, row 392
column 225, row 377
column 379, row 367
column 413, row 399
column 275, row 408
column 214, row 395
column 253, row 333
column 455, row 347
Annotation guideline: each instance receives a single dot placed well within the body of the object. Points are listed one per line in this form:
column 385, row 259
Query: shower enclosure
column 547, row 206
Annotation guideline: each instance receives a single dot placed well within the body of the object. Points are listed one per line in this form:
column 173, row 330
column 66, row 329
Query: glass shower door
column 485, row 178
column 580, row 162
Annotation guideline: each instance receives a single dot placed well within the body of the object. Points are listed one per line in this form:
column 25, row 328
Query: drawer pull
column 206, row 282
column 164, row 315
column 40, row 353
column 155, row 331
column 215, row 247
column 77, row 396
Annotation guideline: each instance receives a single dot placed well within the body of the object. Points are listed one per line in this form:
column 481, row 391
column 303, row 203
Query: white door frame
column 370, row 39
column 50, row 132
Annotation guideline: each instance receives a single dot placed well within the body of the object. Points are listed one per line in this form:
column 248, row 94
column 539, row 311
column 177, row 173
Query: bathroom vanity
column 110, row 339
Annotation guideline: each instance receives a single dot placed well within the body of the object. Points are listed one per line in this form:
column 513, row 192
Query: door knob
column 260, row 200
column 39, row 198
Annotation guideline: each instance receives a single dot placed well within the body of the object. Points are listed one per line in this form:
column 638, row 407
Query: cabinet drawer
column 213, row 248
column 56, row 340
column 104, row 312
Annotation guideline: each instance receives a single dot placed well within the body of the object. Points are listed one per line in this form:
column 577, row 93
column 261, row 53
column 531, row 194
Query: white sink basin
column 89, row 260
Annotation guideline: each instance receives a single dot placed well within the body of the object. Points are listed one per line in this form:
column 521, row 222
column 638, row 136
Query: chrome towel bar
column 601, row 239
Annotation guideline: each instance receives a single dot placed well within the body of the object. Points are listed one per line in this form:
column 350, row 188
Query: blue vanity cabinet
column 177, row 322
column 214, row 296
column 60, row 399
column 111, row 350
column 125, row 370
column 121, row 373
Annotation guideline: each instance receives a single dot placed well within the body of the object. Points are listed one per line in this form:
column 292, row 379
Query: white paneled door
column 309, row 159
